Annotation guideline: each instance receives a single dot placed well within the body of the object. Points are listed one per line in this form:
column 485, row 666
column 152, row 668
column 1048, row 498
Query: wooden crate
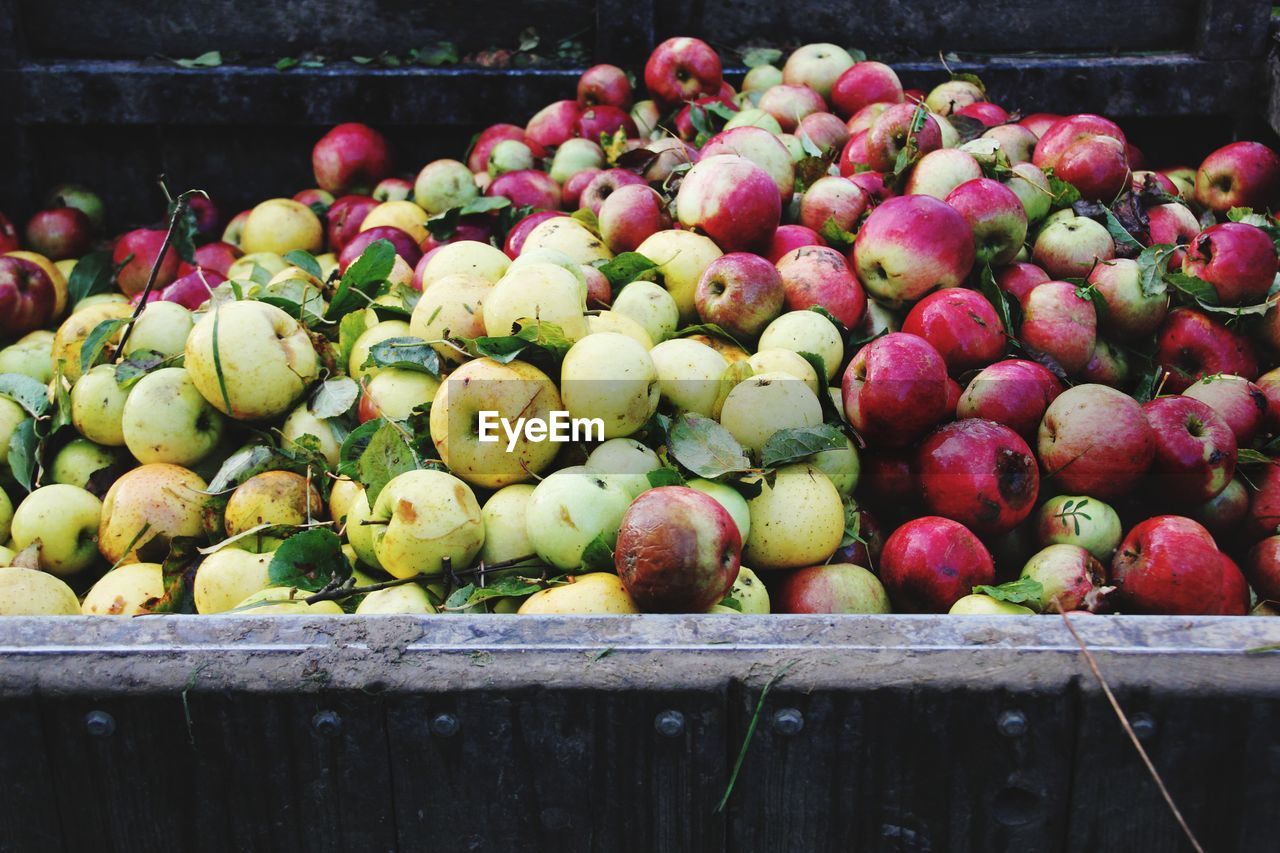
column 84, row 94
column 613, row 734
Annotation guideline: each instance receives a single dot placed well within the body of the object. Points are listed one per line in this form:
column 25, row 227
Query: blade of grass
column 751, row 731
column 217, row 364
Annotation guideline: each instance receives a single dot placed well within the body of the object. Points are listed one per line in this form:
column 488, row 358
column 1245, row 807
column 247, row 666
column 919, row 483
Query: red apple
column 683, row 122
column 1173, row 224
column 1062, row 134
column 350, row 158
column 866, row 549
column 604, row 120
column 217, row 257
column 817, row 275
column 682, row 69
column 604, row 85
column 961, row 325
column 520, row 231
column 1145, row 181
column 895, row 389
column 605, row 184
column 345, row 217
column 997, row 217
column 1195, row 454
column 1239, row 260
column 1038, row 123
column 8, row 236
column 1242, row 174
column 861, row 121
column 1263, row 568
column 571, row 191
column 911, row 245
column 1060, row 323
column 824, row 130
column 760, row 147
column 1191, row 344
column 740, row 292
column 862, row 84
column 837, row 587
column 143, row 245
column 854, row 157
column 527, row 188
column 191, row 290
column 27, row 297
column 404, row 245
column 979, row 473
column 60, row 233
column 873, row 184
column 889, row 133
column 1070, row 578
column 1019, row 278
column 731, row 200
column 930, row 563
column 1224, row 512
column 630, row 215
column 678, row 550
column 831, row 198
column 1264, row 508
column 1108, row 364
column 1239, row 402
column 789, row 104
column 1095, row 440
column 1235, row 590
column 1015, row 393
column 313, row 198
column 888, row 478
column 984, row 111
column 393, row 189
column 1131, row 314
column 552, row 125
column 789, row 238
column 1168, row 565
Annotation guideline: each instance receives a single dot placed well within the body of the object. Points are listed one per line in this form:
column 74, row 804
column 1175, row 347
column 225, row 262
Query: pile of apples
column 851, row 349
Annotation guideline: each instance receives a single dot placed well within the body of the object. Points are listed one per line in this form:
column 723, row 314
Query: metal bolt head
column 445, row 725
column 669, row 723
column 1012, row 723
column 788, row 721
column 326, row 723
column 99, row 724
column 1143, row 725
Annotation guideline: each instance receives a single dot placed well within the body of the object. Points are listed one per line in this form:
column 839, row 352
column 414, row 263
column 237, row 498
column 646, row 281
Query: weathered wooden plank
column 1232, row 28
column 624, row 31
column 29, row 816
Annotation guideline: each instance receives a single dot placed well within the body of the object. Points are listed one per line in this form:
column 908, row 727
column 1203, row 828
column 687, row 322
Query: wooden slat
column 29, row 815
column 1232, row 28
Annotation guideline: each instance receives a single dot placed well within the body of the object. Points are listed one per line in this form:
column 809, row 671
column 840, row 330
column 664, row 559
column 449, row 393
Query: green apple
column 166, row 419
column 749, row 591
column 77, row 461
column 626, row 461
column 785, row 361
column 682, row 257
column 689, row 375
column 453, row 307
column 536, row 292
column 568, row 235
column 6, row 515
column 161, row 327
column 228, row 576
column 261, row 362
column 841, row 465
column 806, row 331
column 359, row 533
column 64, row 520
column 985, row 605
column 614, row 321
column 395, row 392
column 729, row 498
column 147, row 508
column 444, row 184
column 342, row 494
column 97, row 406
column 469, row 410
column 1079, row 520
column 574, row 156
column 6, row 556
column 370, row 338
column 31, row 592
column 568, row 512
column 798, row 521
column 612, row 378
column 426, row 522
column 1031, row 186
column 754, row 118
column 410, row 598
column 649, row 305
column 11, row 417
column 760, row 406
column 465, row 257
column 129, row 590
column 31, row 356
column 509, row 155
column 505, row 515
column 302, row 422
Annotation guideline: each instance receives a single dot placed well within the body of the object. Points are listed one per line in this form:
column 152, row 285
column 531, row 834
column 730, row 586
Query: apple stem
column 179, row 208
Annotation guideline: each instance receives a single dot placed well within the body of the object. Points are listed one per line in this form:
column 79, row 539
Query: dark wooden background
column 86, row 93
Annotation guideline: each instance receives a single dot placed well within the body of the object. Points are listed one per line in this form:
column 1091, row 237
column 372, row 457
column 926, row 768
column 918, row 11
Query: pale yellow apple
column 359, row 533
column 273, row 497
column 613, row 321
column 567, row 512
column 98, row 299
column 161, row 327
column 97, row 406
column 760, row 406
column 465, row 257
column 166, row 420
column 749, row 591
column 6, row 515
column 73, row 331
column 626, row 461
column 63, row 519
column 568, row 235
column 128, row 590
column 798, row 521
column 370, row 338
column 453, row 307
column 284, row 601
column 410, row 598
column 806, row 331
column 536, row 292
column 682, row 257
column 428, row 521
column 505, row 516
column 262, row 359
column 444, row 184
column 147, row 508
column 689, row 374
column 610, row 377
column 985, row 605
column 30, row 592
column 785, row 361
column 11, row 417
column 729, row 498
column 396, row 392
column 402, row 214
column 653, row 308
column 302, row 422
column 512, row 391
column 31, row 356
column 242, row 268
column 282, row 225
column 592, row 593
column 228, row 576
column 342, row 494
column 556, row 258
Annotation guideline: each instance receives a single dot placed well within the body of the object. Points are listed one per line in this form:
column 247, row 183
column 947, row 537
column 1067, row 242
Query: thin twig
column 179, row 209
column 1133, row 737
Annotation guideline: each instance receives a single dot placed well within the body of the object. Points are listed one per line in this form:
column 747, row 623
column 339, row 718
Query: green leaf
column 1125, row 242
column 753, row 57
column 1239, row 310
column 970, row 77
column 1152, row 264
column 598, row 555
column 26, row 392
column 437, row 54
column 538, row 334
column 1064, row 194
column 852, row 525
column 1015, row 592
column 405, row 353
column 730, row 602
column 1197, row 288
column 587, row 218
column 1248, row 456
column 91, row 275
column 705, row 447
column 664, row 476
column 809, row 170
column 179, row 573
column 309, row 560
column 334, row 397
column 306, row 262
column 217, row 362
column 1145, row 390
column 362, row 279
column 387, row 456
column 259, row 275
column 350, row 328
column 507, row 586
column 61, row 404
column 284, row 63
column 92, row 348
column 457, row 601
column 24, row 448
column 245, row 463
column 836, row 237
column 998, row 298
column 137, row 365
column 626, row 268
column 208, row 59
column 354, row 445
column 708, row 329
column 485, row 204
column 792, row 445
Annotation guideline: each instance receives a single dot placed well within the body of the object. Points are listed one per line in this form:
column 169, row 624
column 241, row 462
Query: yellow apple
column 370, row 338
column 613, row 321
column 147, row 508
column 568, row 511
column 760, row 406
column 625, row 461
column 97, row 406
column 410, row 598
column 396, row 392
column 405, row 215
column 302, row 422
column 592, row 593
column 806, row 331
column 505, row 516
column 465, row 257
column 444, row 184
column 568, row 235
column 64, row 520
column 785, row 361
column 30, row 592
column 536, row 292
column 284, row 601
column 31, row 355
column 282, row 225
column 425, row 522
column 796, row 522
column 453, row 307
column 79, row 458
column 682, row 257
column 228, row 576
column 73, row 331
column 161, row 327
column 689, row 374
column 129, row 590
column 610, row 377
column 273, row 497
column 653, row 308
column 166, row 420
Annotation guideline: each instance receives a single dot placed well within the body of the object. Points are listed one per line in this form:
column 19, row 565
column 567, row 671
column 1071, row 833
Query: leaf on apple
column 969, row 77
column 92, row 274
column 1148, row 384
column 24, row 454
column 1197, row 288
column 1015, row 592
column 792, row 445
column 138, row 364
column 730, row 602
column 457, row 602
column 705, row 448
column 386, row 456
column 830, row 411
column 1063, row 193
column 598, row 556
column 61, row 403
column 179, row 572
column 26, row 392
column 809, row 170
column 999, row 300
column 708, row 329
column 852, row 524
column 306, row 262
column 664, row 476
column 91, row 351
column 334, row 397
column 836, row 237
column 508, row 586
column 753, row 57
column 735, row 374
column 536, row 334
column 353, row 446
column 1153, row 261
column 967, row 127
column 362, row 279
column 350, row 328
column 405, row 353
column 309, row 560
column 1249, row 456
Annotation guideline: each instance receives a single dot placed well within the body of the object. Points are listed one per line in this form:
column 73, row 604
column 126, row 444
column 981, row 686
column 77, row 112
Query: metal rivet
column 1144, row 727
column 445, row 725
column 1012, row 723
column 100, row 724
column 669, row 723
column 788, row 721
column 326, row 723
